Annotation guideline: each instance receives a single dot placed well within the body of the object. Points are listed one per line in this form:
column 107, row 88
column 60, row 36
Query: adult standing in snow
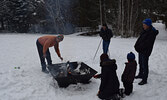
column 43, row 43
column 106, row 35
column 144, row 46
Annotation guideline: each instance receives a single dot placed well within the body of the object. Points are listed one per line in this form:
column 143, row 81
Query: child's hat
column 131, row 56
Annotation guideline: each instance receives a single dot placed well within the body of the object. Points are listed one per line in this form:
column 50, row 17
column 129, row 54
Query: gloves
column 98, row 93
column 97, row 76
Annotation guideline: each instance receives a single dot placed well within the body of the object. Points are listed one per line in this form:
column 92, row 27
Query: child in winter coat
column 109, row 87
column 129, row 73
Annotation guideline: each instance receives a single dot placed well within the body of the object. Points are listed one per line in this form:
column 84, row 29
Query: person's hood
column 109, row 63
column 155, row 31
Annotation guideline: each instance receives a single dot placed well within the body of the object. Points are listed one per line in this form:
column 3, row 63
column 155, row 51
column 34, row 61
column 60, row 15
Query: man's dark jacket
column 129, row 72
column 106, row 34
column 146, row 41
column 109, row 80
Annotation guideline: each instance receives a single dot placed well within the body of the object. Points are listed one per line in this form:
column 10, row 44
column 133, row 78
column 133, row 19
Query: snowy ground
column 29, row 83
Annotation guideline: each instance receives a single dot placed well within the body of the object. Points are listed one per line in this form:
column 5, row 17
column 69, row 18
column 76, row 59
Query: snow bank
column 162, row 31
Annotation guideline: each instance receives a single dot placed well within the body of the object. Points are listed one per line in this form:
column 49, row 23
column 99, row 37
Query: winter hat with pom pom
column 131, row 56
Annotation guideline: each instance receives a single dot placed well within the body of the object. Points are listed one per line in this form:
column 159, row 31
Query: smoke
column 58, row 16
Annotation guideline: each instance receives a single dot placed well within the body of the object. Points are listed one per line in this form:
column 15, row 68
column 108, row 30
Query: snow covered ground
column 29, row 83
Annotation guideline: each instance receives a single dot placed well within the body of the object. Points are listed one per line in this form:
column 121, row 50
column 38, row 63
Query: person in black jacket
column 144, row 46
column 129, row 73
column 109, row 87
column 106, row 35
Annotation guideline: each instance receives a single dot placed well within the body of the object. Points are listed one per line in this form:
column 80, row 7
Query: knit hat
column 148, row 22
column 104, row 24
column 131, row 56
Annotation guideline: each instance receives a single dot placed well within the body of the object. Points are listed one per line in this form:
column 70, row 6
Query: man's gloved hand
column 97, row 76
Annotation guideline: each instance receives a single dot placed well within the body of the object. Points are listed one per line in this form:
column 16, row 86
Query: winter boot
column 138, row 76
column 142, row 82
column 45, row 71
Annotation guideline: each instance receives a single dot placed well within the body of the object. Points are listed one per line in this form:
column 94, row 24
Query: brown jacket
column 129, row 72
column 49, row 41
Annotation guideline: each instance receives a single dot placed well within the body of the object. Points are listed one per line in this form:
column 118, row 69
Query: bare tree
column 127, row 17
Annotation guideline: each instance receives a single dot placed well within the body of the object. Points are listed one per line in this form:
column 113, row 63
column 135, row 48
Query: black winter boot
column 45, row 71
column 138, row 76
column 142, row 82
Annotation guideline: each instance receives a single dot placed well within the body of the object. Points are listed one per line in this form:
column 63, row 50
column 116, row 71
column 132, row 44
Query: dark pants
column 42, row 59
column 105, row 46
column 128, row 87
column 143, row 64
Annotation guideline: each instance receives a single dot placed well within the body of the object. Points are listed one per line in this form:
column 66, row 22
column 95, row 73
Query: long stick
column 97, row 49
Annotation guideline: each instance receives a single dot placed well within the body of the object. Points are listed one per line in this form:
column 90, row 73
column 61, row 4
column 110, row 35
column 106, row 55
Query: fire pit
column 71, row 73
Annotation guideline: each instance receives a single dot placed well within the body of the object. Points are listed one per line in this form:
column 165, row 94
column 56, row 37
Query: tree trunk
column 131, row 15
column 101, row 22
column 119, row 31
column 103, row 12
column 127, row 32
column 2, row 24
column 122, row 20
